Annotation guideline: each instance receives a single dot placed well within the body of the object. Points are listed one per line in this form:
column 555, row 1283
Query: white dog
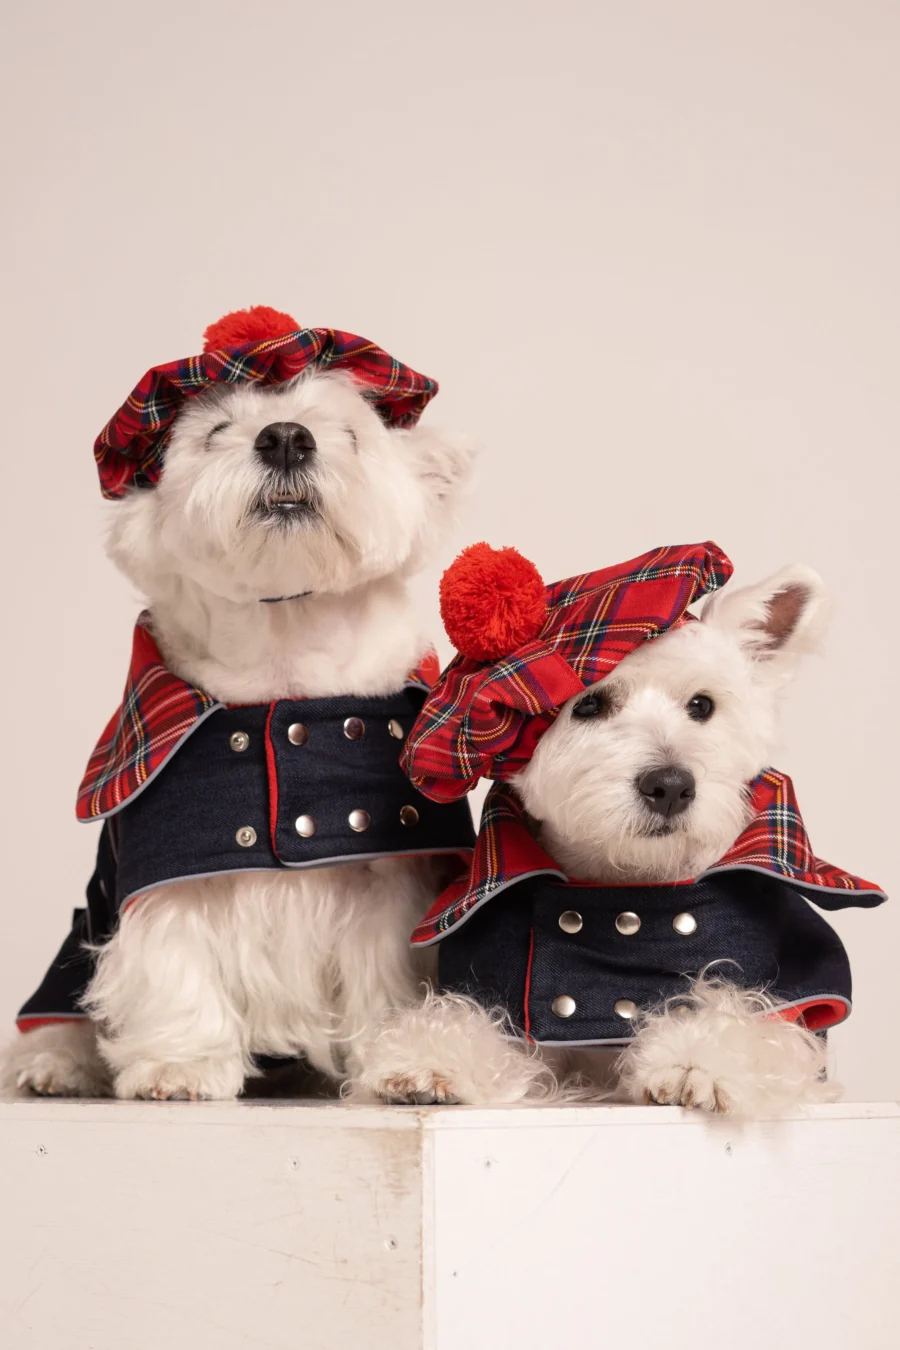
column 642, row 779
column 297, row 490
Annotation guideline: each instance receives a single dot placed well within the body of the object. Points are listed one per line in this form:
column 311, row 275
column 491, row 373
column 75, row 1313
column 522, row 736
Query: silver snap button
column 354, row 728
column 564, row 1005
column 239, row 740
column 305, row 826
column 359, row 821
column 396, row 730
column 624, row 1007
column 297, row 733
column 409, row 815
column 628, row 923
column 684, row 924
column 246, row 836
column 570, row 921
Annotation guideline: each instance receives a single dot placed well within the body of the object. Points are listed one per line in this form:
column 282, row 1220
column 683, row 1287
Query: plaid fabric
column 485, row 720
column 157, row 712
column 775, row 841
column 134, row 440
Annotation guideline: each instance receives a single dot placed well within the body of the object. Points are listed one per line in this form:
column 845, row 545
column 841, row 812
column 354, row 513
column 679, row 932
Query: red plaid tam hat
column 259, row 345
column 525, row 649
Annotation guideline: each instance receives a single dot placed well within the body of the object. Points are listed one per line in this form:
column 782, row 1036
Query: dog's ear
column 445, row 463
column 777, row 620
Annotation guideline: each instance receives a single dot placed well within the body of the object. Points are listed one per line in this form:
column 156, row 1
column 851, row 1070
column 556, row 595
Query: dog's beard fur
column 201, row 976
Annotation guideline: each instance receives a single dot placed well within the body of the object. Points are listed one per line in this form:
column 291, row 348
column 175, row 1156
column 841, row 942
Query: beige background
column 650, row 251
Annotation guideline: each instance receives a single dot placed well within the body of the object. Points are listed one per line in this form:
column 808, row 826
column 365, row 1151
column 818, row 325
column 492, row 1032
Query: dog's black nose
column 667, row 791
column 285, row 445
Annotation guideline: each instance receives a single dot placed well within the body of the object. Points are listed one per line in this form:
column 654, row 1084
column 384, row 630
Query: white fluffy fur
column 201, row 975
column 717, row 1049
column 450, row 1049
column 721, row 1049
column 55, row 1061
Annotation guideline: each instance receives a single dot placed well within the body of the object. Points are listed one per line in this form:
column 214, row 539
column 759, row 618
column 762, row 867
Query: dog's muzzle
column 288, row 451
column 667, row 791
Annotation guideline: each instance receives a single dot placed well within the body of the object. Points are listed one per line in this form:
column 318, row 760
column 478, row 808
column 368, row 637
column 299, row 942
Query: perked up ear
column 444, row 462
column 777, row 620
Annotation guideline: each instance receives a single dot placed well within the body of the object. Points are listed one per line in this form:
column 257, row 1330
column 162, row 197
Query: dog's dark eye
column 222, row 426
column 701, row 708
column 592, row 705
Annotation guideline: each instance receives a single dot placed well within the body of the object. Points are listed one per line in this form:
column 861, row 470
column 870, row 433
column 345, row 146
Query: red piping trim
column 272, row 774
column 26, row 1024
column 526, row 1010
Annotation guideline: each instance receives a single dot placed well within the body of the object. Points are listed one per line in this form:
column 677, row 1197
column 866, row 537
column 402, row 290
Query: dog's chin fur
column 202, row 976
column 720, row 1048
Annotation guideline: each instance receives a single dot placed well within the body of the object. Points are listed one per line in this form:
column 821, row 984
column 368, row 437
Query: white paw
column 684, row 1085
column 722, row 1049
column 202, row 1080
column 55, row 1061
column 59, row 1075
column 448, row 1049
column 424, row 1088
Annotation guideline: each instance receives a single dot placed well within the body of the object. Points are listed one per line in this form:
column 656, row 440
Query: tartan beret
column 526, row 649
column 259, row 345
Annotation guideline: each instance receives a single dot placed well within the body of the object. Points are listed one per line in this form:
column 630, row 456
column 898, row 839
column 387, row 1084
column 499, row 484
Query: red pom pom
column 247, row 325
column 492, row 601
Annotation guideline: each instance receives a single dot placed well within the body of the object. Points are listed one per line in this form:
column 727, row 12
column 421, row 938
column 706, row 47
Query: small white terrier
column 203, row 975
column 642, row 779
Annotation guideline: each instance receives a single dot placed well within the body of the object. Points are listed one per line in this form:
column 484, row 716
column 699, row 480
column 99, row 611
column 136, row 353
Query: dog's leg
column 56, row 1061
column 403, row 1046
column 171, row 1026
column 449, row 1049
column 721, row 1049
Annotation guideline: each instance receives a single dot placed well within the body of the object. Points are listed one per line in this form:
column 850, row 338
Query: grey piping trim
column 513, row 881
column 574, row 1045
column 147, row 781
column 373, row 857
column 788, row 880
column 62, row 1017
column 417, row 684
column 286, row 867
column 710, row 871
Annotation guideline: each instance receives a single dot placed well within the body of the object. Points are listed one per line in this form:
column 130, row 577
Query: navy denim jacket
column 188, row 788
column 574, row 964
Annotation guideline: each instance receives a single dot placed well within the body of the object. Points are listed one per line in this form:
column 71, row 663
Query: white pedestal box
column 316, row 1226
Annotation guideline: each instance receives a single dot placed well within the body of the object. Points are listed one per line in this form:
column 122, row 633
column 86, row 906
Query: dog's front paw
column 424, row 1088
column 448, row 1049
column 202, row 1080
column 55, row 1061
column 51, row 1074
column 683, row 1085
column 724, row 1049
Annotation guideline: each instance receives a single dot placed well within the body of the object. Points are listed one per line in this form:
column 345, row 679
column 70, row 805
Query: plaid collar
column 133, row 442
column 158, row 712
column 774, row 842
